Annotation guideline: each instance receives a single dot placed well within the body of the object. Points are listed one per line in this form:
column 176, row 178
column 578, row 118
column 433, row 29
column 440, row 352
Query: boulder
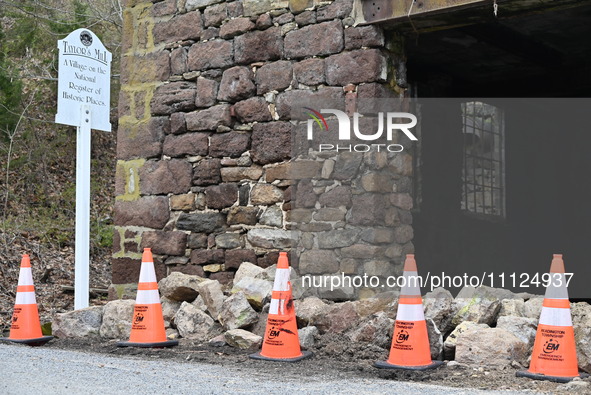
column 78, row 323
column 210, row 292
column 522, row 327
column 117, row 316
column 307, row 336
column 218, row 341
column 236, row 312
column 439, row 306
column 180, row 287
column 371, row 306
column 242, row 339
column 479, row 305
column 494, row 347
column 337, row 318
column 257, row 291
column 532, row 308
column 307, row 308
column 376, row 329
column 268, row 273
column 200, row 304
column 169, row 309
column 449, row 346
column 247, row 269
column 195, row 324
column 435, row 339
column 512, row 307
column 581, row 314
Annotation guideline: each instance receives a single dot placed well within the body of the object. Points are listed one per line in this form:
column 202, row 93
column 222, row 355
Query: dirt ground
column 336, row 356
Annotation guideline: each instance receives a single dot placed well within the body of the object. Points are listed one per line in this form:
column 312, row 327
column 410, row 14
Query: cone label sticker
column 551, row 343
column 138, row 317
column 17, row 311
column 276, row 333
column 402, row 335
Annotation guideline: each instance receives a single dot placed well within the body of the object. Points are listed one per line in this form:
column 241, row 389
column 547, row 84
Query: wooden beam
column 432, row 15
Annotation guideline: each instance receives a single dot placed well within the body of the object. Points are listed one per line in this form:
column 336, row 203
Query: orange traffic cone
column 147, row 328
column 26, row 327
column 554, row 356
column 281, row 342
column 410, row 343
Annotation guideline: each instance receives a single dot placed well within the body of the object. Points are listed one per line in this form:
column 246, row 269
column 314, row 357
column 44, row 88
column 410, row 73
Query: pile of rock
column 481, row 326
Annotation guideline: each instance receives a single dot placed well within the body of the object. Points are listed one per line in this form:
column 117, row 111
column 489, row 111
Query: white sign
column 84, row 78
column 84, row 92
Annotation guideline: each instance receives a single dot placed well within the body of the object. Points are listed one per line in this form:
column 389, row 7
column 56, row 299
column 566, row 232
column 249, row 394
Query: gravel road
column 28, row 370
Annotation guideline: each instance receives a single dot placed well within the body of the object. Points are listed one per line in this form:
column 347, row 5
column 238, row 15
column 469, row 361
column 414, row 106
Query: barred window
column 483, row 172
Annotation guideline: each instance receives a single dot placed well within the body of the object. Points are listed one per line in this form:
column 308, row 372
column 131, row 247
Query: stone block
column 235, row 27
column 244, row 340
column 151, row 212
column 191, row 5
column 235, row 260
column 256, row 291
column 239, row 215
column 207, row 257
column 209, row 119
column 254, row 109
column 221, row 196
column 207, row 222
column 178, row 61
column 180, row 28
column 143, row 140
column 206, row 93
column 265, row 194
column 310, row 71
column 230, row 174
column 364, row 36
column 229, row 240
column 165, row 176
column 213, row 296
column 207, row 172
column 270, row 238
column 336, row 197
column 274, row 76
column 173, row 97
column 165, row 242
column 271, row 142
column 237, row 84
column 232, row 144
column 315, row 40
column 215, row 15
column 259, row 46
column 273, row 216
column 191, row 144
column 337, row 9
column 211, row 55
column 355, row 67
column 318, row 262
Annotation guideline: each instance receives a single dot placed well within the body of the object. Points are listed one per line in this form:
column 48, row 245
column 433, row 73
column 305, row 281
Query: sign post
column 84, row 87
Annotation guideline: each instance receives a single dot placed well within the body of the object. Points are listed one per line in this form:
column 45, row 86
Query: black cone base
column 30, row 342
column 168, row 343
column 386, row 365
column 539, row 376
column 305, row 354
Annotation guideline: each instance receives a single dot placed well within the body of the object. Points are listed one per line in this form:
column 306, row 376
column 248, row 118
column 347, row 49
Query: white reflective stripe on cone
column 410, row 312
column 147, row 274
column 555, row 317
column 25, row 276
column 25, row 298
column 411, row 285
column 281, row 280
column 555, row 291
column 274, row 307
column 147, row 297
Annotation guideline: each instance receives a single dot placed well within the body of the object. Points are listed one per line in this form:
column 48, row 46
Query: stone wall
column 205, row 158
